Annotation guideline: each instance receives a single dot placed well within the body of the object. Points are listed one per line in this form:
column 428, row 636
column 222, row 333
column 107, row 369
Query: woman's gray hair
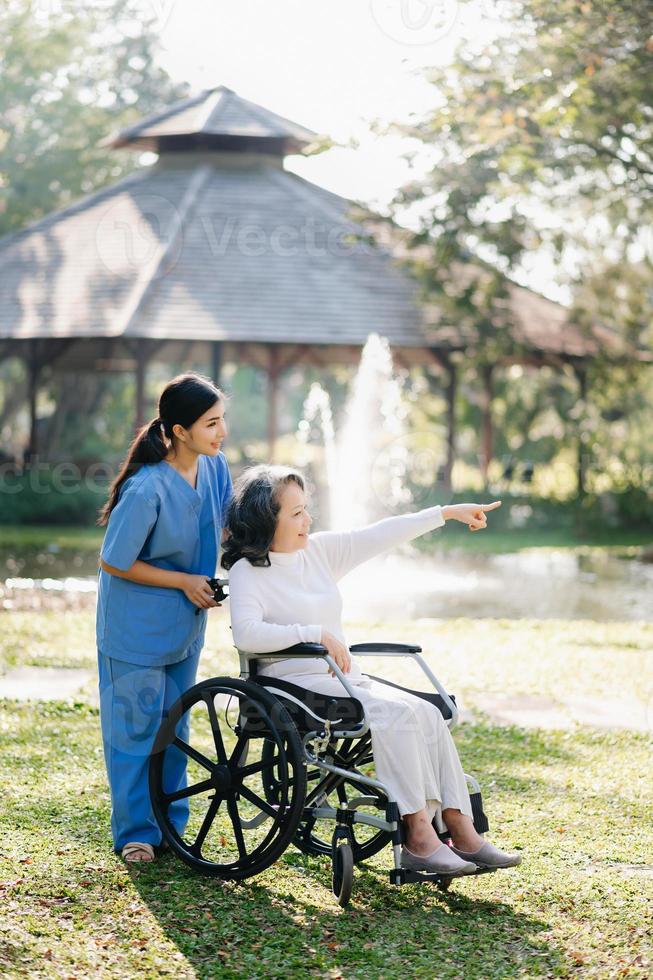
column 253, row 512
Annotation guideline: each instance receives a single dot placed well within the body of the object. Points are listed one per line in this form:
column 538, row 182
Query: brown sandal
column 130, row 850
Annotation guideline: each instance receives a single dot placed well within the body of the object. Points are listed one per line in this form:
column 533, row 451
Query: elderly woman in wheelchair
column 303, row 698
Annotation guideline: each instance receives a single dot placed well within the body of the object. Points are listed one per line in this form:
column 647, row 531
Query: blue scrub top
column 161, row 519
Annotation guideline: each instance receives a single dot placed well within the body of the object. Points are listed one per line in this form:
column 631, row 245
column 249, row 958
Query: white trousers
column 414, row 753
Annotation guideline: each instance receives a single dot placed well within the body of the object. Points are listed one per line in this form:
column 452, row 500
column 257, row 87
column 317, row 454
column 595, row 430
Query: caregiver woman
column 164, row 520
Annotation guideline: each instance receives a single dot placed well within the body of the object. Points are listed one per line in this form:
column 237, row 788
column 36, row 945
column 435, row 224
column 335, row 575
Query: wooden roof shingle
column 216, row 251
column 223, row 245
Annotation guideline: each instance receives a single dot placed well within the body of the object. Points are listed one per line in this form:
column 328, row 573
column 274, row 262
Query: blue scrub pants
column 133, row 702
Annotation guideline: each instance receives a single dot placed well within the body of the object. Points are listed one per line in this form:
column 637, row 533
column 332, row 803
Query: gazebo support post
column 141, row 366
column 33, row 364
column 580, row 370
column 486, row 429
column 216, row 362
column 451, row 389
column 273, row 372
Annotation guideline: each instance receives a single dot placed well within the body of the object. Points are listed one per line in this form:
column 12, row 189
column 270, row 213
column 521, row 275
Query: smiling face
column 207, row 433
column 293, row 519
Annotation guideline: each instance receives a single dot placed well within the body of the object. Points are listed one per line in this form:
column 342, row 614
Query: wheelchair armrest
column 298, row 650
column 409, row 650
column 385, row 648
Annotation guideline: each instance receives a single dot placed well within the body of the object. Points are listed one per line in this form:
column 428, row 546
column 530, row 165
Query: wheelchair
column 271, row 764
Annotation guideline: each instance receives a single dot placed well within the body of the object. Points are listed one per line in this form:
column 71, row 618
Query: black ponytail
column 182, row 401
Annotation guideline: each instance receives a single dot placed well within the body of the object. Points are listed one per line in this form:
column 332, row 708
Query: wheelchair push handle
column 217, row 586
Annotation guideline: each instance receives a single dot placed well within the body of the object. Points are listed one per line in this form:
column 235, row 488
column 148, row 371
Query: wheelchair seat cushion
column 309, row 710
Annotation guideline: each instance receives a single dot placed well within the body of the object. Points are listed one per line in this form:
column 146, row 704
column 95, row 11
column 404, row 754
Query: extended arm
column 347, row 549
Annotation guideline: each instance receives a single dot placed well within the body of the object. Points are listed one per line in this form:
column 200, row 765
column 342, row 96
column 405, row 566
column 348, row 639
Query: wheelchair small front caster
column 444, row 884
column 343, row 871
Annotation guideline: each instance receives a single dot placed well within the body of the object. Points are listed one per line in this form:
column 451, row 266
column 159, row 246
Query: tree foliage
column 542, row 141
column 555, row 116
column 72, row 73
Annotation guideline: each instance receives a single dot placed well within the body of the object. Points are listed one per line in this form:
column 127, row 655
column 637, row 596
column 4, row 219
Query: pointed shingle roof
column 229, row 246
column 222, row 251
column 217, row 119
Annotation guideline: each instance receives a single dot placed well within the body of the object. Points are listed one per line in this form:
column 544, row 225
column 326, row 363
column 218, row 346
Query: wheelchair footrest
column 404, row 876
column 481, row 824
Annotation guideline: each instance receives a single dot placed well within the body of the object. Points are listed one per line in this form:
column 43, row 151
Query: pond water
column 52, row 562
column 535, row 583
column 532, row 584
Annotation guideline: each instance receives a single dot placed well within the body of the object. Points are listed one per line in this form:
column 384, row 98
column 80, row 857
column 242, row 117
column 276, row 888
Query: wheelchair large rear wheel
column 228, row 733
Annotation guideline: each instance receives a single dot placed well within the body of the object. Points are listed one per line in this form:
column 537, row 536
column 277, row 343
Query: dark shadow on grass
column 256, row 929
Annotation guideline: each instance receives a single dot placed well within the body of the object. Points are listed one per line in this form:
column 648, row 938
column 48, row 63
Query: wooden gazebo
column 219, row 250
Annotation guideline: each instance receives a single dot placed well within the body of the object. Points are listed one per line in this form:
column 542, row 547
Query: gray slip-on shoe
column 489, row 856
column 441, row 862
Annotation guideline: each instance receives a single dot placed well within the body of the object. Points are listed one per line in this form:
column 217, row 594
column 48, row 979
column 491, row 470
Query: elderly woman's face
column 293, row 520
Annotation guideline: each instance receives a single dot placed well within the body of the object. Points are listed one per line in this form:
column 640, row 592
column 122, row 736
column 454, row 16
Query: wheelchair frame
column 314, row 745
column 346, row 816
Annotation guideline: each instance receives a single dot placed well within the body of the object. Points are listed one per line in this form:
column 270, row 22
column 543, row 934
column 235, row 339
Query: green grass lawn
column 585, row 658
column 578, row 803
column 37, row 536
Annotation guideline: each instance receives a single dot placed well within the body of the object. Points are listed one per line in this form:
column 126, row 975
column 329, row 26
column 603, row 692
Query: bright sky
column 331, row 65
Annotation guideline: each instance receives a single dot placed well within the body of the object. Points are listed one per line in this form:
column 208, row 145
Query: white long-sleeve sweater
column 294, row 598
